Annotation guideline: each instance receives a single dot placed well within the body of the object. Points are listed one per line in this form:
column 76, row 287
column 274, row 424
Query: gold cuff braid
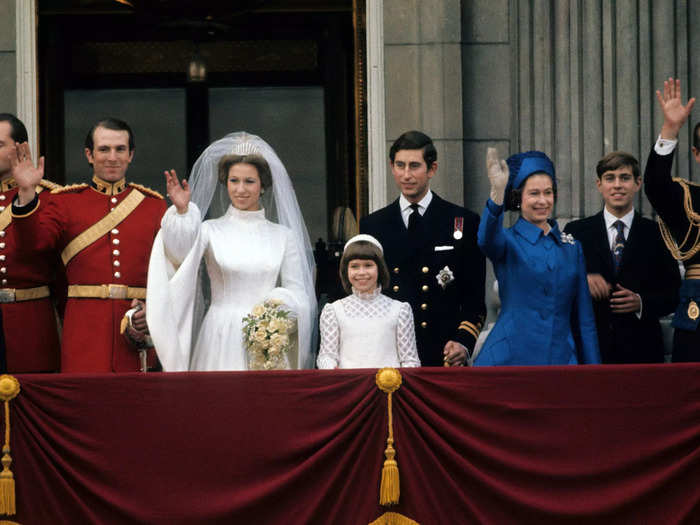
column 692, row 271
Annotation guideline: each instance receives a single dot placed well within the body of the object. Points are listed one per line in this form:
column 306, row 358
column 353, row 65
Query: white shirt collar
column 404, row 204
column 610, row 219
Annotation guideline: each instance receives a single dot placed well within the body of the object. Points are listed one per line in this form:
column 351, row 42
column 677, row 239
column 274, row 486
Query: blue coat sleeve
column 491, row 238
column 583, row 320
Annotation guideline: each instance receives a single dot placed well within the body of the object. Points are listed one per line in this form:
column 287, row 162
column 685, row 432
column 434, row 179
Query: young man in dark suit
column 434, row 261
column 632, row 277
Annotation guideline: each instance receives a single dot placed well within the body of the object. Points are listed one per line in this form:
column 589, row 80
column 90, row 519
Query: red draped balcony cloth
column 557, row 445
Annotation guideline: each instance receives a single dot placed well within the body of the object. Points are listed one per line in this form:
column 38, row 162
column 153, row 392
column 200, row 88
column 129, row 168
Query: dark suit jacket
column 648, row 269
column 455, row 312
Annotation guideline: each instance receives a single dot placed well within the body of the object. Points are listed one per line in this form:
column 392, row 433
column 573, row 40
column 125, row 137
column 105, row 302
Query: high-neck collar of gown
column 367, row 296
column 255, row 215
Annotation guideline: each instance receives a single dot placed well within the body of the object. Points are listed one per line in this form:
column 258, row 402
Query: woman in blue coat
column 546, row 313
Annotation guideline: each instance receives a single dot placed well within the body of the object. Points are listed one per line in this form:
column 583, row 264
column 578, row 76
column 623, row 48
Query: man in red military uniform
column 29, row 332
column 103, row 231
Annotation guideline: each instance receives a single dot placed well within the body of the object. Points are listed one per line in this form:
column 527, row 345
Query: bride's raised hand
column 179, row 193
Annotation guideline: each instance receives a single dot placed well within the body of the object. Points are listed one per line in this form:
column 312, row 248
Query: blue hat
column 522, row 165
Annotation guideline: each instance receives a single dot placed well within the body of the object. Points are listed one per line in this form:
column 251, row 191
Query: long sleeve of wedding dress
column 180, row 232
column 291, row 293
column 172, row 276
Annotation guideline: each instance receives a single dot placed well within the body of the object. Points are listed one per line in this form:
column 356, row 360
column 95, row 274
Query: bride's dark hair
column 253, row 159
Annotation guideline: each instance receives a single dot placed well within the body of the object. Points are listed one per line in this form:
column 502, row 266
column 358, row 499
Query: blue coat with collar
column 546, row 312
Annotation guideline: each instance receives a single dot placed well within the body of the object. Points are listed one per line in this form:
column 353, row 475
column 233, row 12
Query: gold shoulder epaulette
column 685, row 182
column 70, row 187
column 147, row 191
column 688, row 247
column 49, row 185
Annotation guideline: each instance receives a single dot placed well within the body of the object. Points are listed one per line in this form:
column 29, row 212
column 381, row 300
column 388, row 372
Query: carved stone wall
column 575, row 78
column 8, row 66
column 585, row 73
column 423, row 83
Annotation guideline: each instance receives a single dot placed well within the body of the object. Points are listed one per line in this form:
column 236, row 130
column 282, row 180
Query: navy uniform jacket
column 455, row 312
column 667, row 196
column 546, row 314
column 648, row 269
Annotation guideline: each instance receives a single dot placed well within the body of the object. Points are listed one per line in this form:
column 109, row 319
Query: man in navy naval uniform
column 431, row 251
column 677, row 203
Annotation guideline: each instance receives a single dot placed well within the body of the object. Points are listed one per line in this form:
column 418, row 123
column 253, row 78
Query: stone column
column 423, row 82
column 8, row 67
column 486, row 92
column 585, row 79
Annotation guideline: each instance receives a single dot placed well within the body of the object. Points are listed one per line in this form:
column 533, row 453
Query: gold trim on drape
column 9, row 388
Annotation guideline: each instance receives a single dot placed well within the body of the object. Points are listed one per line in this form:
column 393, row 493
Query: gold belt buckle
column 117, row 291
column 7, row 295
column 693, row 310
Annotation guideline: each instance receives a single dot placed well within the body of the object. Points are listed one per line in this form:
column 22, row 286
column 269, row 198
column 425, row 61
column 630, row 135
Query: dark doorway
column 184, row 73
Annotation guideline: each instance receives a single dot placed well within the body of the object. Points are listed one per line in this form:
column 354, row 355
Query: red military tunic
column 29, row 327
column 92, row 340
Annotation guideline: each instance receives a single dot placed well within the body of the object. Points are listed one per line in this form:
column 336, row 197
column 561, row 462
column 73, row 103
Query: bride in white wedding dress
column 248, row 258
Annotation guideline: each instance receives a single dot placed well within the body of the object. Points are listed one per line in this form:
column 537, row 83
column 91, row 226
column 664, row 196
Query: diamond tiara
column 245, row 148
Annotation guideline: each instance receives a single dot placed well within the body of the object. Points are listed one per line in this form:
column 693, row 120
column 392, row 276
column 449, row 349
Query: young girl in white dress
column 366, row 329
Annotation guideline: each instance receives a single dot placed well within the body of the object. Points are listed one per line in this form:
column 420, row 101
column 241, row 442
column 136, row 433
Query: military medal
column 693, row 310
column 459, row 226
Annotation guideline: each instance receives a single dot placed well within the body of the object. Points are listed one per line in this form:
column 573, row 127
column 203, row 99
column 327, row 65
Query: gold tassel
column 390, row 518
column 389, row 380
column 390, row 487
column 7, row 483
column 9, row 388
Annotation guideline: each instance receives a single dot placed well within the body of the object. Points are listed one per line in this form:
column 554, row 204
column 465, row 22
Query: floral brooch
column 567, row 238
column 445, row 277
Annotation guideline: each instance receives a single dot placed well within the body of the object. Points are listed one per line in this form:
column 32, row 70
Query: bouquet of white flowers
column 266, row 336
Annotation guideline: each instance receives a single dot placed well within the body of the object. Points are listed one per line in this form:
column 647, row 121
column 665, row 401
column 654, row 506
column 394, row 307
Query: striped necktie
column 619, row 244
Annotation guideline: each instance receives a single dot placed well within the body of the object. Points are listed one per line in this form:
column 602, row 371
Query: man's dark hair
column 415, row 140
column 109, row 123
column 616, row 160
column 696, row 136
column 18, row 131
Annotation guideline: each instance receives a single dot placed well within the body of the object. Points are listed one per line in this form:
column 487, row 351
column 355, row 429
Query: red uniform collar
column 108, row 188
column 7, row 184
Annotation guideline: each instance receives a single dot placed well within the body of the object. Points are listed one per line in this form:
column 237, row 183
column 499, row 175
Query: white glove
column 497, row 171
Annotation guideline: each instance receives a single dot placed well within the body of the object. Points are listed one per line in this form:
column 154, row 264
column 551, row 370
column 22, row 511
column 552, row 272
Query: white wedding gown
column 246, row 257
